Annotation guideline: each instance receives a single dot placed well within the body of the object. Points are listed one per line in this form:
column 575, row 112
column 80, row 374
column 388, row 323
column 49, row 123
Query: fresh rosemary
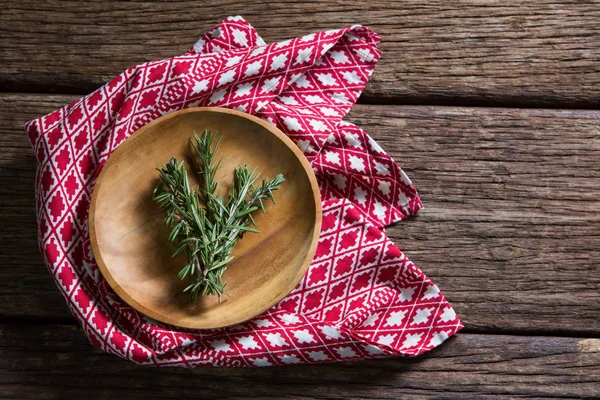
column 203, row 226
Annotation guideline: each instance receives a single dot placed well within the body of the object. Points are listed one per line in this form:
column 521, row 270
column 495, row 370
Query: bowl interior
column 129, row 239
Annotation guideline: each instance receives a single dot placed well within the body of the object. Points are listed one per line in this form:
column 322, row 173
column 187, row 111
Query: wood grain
column 130, row 241
column 46, row 361
column 511, row 223
column 510, row 229
column 534, row 53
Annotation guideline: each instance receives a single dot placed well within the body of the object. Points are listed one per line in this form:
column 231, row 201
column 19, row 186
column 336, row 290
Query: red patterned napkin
column 360, row 298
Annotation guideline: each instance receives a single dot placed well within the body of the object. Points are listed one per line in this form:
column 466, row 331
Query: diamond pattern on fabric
column 361, row 296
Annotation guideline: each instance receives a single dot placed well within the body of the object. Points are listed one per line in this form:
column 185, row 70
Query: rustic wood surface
column 510, row 229
column 468, row 366
column 471, row 52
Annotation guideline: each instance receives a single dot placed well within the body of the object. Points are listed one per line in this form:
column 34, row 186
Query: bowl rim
column 286, row 289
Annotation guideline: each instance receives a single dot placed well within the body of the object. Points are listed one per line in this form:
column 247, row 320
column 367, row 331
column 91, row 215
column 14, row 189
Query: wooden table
column 492, row 110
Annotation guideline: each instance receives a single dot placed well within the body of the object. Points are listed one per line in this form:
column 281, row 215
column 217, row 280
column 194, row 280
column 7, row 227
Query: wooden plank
column 534, row 53
column 55, row 361
column 510, row 229
column 509, row 232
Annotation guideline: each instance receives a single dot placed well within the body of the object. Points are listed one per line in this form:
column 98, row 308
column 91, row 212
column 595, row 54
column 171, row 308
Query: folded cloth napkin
column 360, row 298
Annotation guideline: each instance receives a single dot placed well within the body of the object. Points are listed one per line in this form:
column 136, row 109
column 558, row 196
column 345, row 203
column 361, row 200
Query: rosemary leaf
column 204, row 226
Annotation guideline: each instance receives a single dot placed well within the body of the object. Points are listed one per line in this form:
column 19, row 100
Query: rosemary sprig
column 203, row 226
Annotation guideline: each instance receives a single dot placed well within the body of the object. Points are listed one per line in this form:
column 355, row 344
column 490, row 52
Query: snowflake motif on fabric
column 360, row 298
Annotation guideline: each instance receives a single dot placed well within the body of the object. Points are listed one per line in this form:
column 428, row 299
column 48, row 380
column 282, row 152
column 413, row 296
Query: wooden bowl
column 129, row 239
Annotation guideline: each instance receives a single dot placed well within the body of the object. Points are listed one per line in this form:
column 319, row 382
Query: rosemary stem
column 208, row 232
